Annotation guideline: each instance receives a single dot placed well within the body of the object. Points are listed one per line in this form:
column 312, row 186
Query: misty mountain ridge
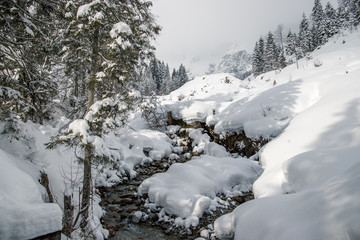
column 235, row 61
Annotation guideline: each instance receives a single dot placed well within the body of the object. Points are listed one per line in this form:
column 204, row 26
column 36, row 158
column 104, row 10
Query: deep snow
column 309, row 187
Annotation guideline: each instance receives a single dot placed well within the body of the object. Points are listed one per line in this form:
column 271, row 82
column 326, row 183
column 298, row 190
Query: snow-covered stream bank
column 179, row 198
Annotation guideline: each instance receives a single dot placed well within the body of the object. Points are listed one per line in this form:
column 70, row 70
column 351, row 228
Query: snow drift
column 309, row 188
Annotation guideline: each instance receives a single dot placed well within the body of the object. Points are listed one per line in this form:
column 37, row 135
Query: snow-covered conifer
column 271, row 54
column 305, row 40
column 115, row 38
column 331, row 20
column 26, row 56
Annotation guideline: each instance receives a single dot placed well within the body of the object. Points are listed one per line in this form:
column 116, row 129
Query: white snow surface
column 23, row 213
column 188, row 189
column 257, row 107
column 310, row 185
column 309, row 188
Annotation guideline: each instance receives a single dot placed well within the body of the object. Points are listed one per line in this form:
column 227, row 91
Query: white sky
column 199, row 32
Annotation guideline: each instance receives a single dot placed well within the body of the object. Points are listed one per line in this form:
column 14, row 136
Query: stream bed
column 127, row 217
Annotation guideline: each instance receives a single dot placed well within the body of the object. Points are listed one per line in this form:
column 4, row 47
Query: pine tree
column 115, row 37
column 155, row 73
column 164, row 78
column 175, row 79
column 182, row 75
column 318, row 29
column 349, row 13
column 271, row 54
column 147, row 83
column 262, row 53
column 166, row 82
column 290, row 44
column 305, row 38
column 255, row 60
column 330, row 21
column 354, row 12
column 26, row 53
column 258, row 57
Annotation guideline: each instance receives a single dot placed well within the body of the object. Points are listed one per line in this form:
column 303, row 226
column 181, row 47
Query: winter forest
column 99, row 139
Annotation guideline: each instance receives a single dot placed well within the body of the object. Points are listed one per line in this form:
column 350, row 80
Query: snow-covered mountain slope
column 261, row 107
column 309, row 188
column 235, row 61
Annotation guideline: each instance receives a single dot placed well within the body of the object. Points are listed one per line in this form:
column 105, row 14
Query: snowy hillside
column 309, row 188
column 235, row 61
column 311, row 170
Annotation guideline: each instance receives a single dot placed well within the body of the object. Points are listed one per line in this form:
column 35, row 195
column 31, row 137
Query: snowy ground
column 309, row 187
column 23, row 158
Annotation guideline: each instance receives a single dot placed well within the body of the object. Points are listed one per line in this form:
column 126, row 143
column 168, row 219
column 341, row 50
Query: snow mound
column 325, row 203
column 187, row 190
column 23, row 213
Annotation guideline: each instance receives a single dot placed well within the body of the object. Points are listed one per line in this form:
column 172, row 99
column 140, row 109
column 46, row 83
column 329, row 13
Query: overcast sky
column 199, row 32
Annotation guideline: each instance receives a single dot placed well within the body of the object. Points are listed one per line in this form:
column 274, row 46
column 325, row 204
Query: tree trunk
column 68, row 216
column 45, row 182
column 94, row 68
column 86, row 191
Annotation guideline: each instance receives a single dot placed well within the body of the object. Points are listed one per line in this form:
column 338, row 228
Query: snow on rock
column 186, row 190
column 310, row 185
column 200, row 140
column 23, row 213
column 131, row 144
column 216, row 150
column 199, row 98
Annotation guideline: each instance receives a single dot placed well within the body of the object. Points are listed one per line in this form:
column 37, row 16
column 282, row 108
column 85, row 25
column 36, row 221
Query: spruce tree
column 175, row 79
column 182, row 75
column 305, row 38
column 27, row 50
column 116, row 38
column 330, row 20
column 156, row 74
column 258, row 57
column 290, row 44
column 255, row 60
column 271, row 54
column 318, row 30
column 166, row 82
column 349, row 13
